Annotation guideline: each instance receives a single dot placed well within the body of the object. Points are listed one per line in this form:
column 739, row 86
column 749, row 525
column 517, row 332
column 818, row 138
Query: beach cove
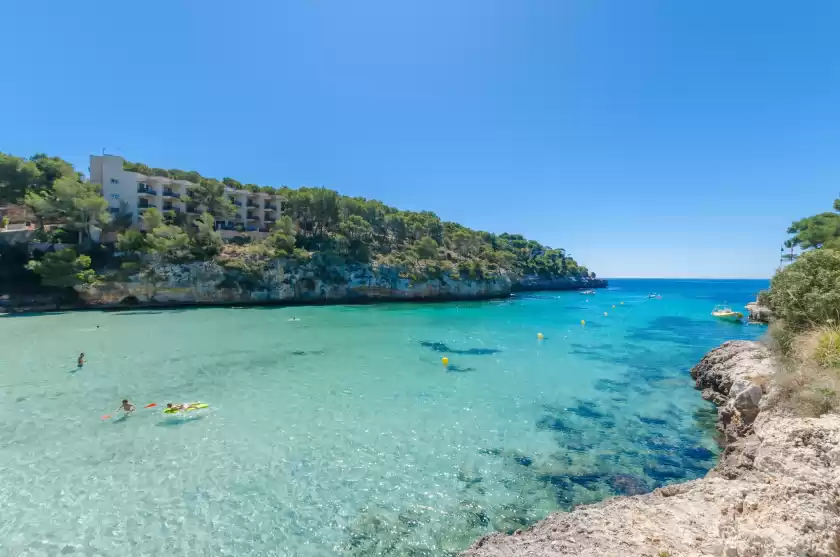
column 341, row 432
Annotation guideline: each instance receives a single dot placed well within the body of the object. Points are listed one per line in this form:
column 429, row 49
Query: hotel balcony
column 146, row 191
column 170, row 193
column 271, row 208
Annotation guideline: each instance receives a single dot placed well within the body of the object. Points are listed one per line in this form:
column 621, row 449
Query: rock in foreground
column 776, row 491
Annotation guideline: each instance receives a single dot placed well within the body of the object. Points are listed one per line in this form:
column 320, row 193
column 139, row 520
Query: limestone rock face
column 759, row 313
column 285, row 281
column 775, row 492
column 534, row 282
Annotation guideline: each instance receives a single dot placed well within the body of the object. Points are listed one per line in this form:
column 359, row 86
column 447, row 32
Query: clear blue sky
column 648, row 138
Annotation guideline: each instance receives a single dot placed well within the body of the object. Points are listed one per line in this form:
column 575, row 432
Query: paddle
column 151, row 405
column 106, row 417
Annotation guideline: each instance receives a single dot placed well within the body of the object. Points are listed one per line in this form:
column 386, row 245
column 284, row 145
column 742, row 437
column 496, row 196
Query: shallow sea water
column 342, row 433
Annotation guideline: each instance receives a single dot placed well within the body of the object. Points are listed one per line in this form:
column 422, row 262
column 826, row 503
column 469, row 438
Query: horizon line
column 685, row 278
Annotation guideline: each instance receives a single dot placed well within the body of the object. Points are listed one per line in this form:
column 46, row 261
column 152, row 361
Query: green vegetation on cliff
column 806, row 293
column 318, row 224
column 805, row 299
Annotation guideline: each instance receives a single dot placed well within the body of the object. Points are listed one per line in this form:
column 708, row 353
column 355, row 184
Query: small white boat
column 587, row 291
column 726, row 314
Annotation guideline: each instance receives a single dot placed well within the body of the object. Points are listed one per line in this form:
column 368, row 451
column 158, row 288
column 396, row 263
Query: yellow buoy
column 583, row 322
column 605, row 314
column 444, row 361
column 540, row 336
column 622, row 303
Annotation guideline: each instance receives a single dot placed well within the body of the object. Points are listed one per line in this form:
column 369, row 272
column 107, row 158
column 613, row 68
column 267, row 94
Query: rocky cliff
column 759, row 313
column 775, row 492
column 533, row 282
column 283, row 281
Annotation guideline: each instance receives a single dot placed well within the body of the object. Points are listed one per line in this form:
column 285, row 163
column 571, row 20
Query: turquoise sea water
column 341, row 433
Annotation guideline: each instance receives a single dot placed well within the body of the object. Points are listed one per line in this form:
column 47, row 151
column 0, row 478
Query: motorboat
column 725, row 313
column 587, row 292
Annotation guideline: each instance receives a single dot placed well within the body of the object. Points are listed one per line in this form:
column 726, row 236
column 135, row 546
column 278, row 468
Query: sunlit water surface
column 341, row 433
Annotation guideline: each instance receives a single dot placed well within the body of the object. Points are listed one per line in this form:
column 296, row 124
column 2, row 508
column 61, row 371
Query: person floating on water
column 175, row 408
column 126, row 406
column 81, row 359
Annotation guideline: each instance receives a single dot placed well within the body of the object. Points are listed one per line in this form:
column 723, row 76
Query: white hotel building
column 132, row 192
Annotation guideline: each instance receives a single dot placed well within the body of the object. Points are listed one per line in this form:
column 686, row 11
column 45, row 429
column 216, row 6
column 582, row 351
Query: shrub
column 808, row 378
column 808, row 391
column 63, row 269
column 807, row 292
column 763, row 298
column 826, row 347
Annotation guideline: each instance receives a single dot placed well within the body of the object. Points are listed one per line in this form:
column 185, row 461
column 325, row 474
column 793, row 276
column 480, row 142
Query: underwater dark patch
column 587, row 409
column 524, row 460
column 554, row 424
column 459, row 369
column 706, row 417
column 560, row 481
column 699, row 453
column 667, row 460
column 669, row 328
column 611, row 386
column 589, row 481
column 577, row 446
column 662, row 475
column 658, row 444
column 652, row 421
column 444, row 348
column 591, row 347
column 627, row 484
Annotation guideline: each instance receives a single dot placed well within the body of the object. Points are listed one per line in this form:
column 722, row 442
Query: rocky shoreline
column 775, row 491
column 284, row 282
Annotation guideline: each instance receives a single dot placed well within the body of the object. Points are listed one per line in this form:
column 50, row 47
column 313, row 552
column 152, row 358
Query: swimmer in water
column 81, row 359
column 170, row 406
column 126, row 406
